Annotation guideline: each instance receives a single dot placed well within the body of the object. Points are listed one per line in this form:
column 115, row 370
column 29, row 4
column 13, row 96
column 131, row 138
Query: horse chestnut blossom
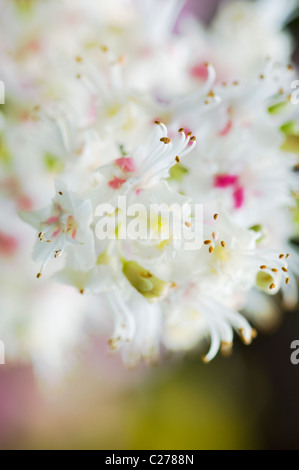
column 125, row 117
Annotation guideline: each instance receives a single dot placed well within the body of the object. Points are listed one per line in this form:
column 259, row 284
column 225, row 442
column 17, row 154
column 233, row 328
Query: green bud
column 264, row 280
column 291, row 144
column 5, row 154
column 148, row 285
column 53, row 164
column 290, row 128
column 258, row 228
column 278, row 107
column 177, row 172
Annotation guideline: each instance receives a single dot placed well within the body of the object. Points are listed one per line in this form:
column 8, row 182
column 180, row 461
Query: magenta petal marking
column 116, row 183
column 239, row 197
column 126, row 164
column 225, row 180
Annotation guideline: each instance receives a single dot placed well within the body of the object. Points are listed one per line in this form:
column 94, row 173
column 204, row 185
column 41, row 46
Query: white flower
column 65, row 226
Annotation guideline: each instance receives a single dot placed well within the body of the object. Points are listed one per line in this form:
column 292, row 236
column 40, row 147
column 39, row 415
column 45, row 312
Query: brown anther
column 281, row 256
column 226, row 349
column 262, row 77
column 263, row 266
column 165, row 140
column 254, row 333
column 236, row 83
column 158, row 123
column 207, row 242
column 290, row 67
column 177, row 159
column 60, row 193
column 181, row 130
column 79, row 59
column 287, row 255
column 272, row 286
column 81, row 291
column 189, row 134
column 207, row 64
column 193, row 138
column 284, row 270
column 188, row 224
column 39, row 275
column 287, row 280
column 211, row 249
column 207, row 102
column 211, row 94
column 223, row 244
column 173, row 285
column 275, row 270
column 215, row 217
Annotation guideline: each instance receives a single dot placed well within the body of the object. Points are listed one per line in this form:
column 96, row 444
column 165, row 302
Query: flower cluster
column 129, row 99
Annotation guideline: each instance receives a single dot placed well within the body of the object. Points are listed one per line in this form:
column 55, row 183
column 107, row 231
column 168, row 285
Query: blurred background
column 247, row 401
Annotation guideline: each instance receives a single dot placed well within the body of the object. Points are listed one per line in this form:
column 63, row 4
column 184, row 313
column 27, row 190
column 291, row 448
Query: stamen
column 39, row 275
column 275, row 270
column 188, row 224
column 211, row 249
column 284, row 270
column 281, row 256
column 287, row 280
column 263, row 266
column 177, row 159
column 216, row 216
column 165, row 140
column 223, row 244
column 254, row 333
column 272, row 286
column 181, row 130
column 207, row 242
